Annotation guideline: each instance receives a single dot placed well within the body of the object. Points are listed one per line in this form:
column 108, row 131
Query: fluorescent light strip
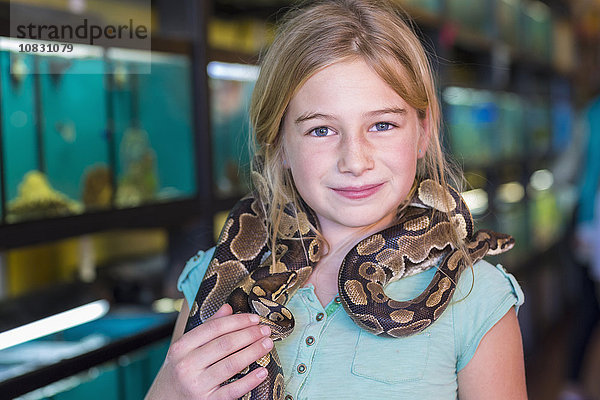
column 143, row 56
column 232, row 72
column 55, row 323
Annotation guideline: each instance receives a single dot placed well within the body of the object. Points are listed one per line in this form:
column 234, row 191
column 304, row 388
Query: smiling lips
column 358, row 192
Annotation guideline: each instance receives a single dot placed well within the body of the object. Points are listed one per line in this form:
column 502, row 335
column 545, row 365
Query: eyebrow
column 312, row 115
column 389, row 110
column 316, row 115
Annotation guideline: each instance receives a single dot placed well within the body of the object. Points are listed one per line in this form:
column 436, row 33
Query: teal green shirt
column 328, row 357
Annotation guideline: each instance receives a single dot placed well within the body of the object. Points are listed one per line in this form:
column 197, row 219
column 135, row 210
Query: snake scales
column 419, row 240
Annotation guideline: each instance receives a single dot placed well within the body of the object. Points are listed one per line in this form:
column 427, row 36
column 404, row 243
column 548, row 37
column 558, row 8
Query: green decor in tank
column 97, row 188
column 139, row 182
column 37, row 199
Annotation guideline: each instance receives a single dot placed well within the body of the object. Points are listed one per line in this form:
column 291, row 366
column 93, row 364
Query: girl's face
column 352, row 145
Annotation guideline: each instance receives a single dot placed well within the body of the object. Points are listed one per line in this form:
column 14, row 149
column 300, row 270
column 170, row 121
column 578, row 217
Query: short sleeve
column 484, row 295
column 193, row 273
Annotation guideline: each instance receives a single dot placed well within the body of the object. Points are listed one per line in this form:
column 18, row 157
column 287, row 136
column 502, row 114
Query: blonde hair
column 322, row 34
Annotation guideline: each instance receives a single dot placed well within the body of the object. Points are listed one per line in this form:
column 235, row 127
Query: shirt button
column 289, row 397
column 338, row 300
column 320, row 316
column 310, row 340
column 301, row 368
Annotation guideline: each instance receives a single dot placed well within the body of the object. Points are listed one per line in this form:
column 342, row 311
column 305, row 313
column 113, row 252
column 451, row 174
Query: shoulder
column 484, row 294
column 193, row 273
column 485, row 279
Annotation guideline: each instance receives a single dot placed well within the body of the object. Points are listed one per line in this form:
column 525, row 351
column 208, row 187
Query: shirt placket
column 313, row 332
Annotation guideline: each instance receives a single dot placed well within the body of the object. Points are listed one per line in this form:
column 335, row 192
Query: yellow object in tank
column 37, row 199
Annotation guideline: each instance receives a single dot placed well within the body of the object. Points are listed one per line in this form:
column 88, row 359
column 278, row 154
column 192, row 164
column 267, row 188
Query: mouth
column 358, row 192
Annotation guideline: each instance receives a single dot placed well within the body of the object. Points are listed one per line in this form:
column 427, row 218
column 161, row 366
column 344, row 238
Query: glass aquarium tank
column 510, row 126
column 73, row 115
column 230, row 88
column 512, row 218
column 93, row 130
column 19, row 136
column 473, row 15
column 153, row 128
column 537, row 30
column 538, row 124
column 472, row 121
column 508, row 12
column 433, row 6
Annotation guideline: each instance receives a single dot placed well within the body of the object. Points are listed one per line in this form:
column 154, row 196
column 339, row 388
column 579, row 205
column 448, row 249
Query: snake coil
column 421, row 239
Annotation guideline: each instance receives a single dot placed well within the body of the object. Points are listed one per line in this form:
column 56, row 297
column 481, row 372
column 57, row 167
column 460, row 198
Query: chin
column 364, row 221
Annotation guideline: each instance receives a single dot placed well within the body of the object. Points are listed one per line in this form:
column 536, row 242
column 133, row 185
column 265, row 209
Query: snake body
column 242, row 275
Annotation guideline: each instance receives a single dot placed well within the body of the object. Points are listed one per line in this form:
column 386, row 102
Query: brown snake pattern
column 419, row 241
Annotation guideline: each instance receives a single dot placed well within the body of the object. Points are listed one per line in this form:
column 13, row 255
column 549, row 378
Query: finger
column 223, row 311
column 229, row 366
column 228, row 344
column 240, row 387
column 211, row 329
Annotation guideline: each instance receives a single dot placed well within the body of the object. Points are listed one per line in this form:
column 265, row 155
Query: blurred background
column 117, row 165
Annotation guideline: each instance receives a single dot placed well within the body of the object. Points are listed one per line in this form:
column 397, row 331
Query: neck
column 342, row 238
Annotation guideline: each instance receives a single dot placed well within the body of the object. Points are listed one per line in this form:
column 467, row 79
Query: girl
column 346, row 119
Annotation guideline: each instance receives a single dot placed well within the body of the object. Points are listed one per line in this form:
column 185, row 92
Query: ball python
column 242, row 274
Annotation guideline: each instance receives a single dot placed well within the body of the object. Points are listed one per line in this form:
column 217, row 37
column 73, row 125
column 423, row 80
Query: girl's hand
column 200, row 360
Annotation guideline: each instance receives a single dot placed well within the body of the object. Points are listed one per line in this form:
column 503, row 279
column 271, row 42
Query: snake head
column 273, row 313
column 499, row 242
column 505, row 242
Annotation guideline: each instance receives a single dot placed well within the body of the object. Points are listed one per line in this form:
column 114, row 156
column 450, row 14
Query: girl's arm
column 497, row 369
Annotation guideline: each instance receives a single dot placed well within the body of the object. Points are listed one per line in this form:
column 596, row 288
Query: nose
column 355, row 154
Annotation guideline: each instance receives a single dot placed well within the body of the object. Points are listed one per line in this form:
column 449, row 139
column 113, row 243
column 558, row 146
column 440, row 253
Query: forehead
column 345, row 84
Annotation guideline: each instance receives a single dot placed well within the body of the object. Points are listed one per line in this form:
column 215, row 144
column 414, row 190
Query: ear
column 284, row 161
column 424, row 135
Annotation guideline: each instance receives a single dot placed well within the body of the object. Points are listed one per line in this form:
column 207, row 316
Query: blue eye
column 381, row 126
column 320, row 131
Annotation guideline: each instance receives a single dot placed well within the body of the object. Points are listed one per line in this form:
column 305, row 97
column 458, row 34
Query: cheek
column 401, row 155
column 303, row 172
column 295, row 161
column 401, row 162
column 304, row 159
column 308, row 170
column 306, row 185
